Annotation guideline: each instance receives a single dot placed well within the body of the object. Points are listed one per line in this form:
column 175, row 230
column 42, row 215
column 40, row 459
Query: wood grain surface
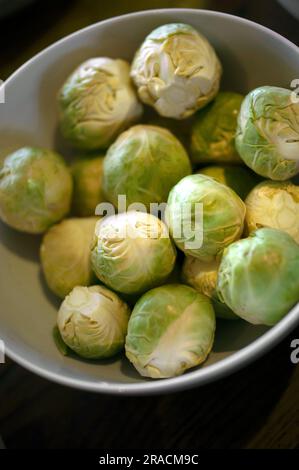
column 257, row 407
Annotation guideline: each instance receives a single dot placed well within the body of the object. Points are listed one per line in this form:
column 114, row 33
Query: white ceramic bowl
column 251, row 55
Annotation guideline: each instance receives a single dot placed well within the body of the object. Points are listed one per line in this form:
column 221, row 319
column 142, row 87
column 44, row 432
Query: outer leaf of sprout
column 65, row 255
column 171, row 329
column 258, row 276
column 35, row 189
column 97, row 102
column 176, row 70
column 268, row 133
column 274, row 204
column 93, row 322
column 222, row 210
column 132, row 252
column 143, row 164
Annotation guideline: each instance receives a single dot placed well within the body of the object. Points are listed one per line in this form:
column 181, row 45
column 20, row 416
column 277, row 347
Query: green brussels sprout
column 93, row 322
column 171, row 329
column 65, row 255
column 87, row 176
column 132, row 252
column 214, row 129
column 143, row 164
column 274, row 204
column 268, row 133
column 203, row 278
column 238, row 178
column 258, row 276
column 222, row 216
column 176, row 70
column 97, row 102
column 35, row 190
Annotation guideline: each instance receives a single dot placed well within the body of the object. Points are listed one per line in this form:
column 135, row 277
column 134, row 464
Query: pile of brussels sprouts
column 235, row 156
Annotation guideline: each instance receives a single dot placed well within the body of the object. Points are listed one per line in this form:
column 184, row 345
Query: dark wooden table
column 255, row 408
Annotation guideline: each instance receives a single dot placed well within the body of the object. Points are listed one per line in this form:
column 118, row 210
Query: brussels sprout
column 97, row 102
column 223, row 214
column 240, row 179
column 176, row 70
column 214, row 129
column 143, row 164
column 65, row 255
column 258, row 276
column 276, row 205
column 132, row 252
column 87, row 177
column 203, row 278
column 93, row 322
column 268, row 133
column 170, row 330
column 35, row 189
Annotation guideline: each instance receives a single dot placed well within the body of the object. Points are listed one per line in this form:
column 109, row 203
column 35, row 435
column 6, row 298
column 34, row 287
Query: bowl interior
column 251, row 56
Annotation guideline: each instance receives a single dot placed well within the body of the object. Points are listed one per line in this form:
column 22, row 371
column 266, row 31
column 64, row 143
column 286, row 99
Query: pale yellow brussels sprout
column 132, row 252
column 176, row 70
column 202, row 276
column 274, row 204
column 87, row 176
column 240, row 179
column 204, row 216
column 143, row 164
column 267, row 137
column 93, row 322
column 35, row 189
column 171, row 329
column 65, row 255
column 97, row 102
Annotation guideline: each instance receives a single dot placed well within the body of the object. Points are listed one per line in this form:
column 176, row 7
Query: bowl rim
column 192, row 378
